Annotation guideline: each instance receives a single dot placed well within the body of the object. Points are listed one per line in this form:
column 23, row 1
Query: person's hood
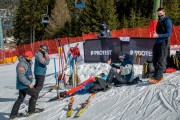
column 23, row 59
column 127, row 60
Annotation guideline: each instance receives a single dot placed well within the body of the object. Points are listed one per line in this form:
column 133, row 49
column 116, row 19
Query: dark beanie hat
column 121, row 54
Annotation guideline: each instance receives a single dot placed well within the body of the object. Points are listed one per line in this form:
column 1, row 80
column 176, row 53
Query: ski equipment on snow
column 85, row 105
column 69, row 111
column 73, row 90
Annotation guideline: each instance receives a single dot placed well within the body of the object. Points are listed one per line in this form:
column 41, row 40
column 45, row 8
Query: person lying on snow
column 122, row 73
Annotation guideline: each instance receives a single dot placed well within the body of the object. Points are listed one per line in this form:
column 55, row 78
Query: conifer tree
column 172, row 9
column 141, row 20
column 132, row 19
column 124, row 22
column 96, row 13
column 28, row 21
column 59, row 16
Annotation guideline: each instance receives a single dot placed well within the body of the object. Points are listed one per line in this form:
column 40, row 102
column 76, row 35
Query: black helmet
column 44, row 47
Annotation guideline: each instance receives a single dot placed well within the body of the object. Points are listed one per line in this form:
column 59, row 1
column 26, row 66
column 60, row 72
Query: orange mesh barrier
column 175, row 37
column 128, row 32
column 8, row 56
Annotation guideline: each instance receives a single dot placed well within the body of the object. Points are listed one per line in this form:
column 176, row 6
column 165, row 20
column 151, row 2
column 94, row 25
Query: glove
column 69, row 54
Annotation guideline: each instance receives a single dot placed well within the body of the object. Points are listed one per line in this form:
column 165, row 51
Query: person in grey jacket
column 41, row 61
column 24, row 84
column 122, row 73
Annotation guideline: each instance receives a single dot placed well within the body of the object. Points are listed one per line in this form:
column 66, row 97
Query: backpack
column 98, row 85
column 148, row 69
column 174, row 61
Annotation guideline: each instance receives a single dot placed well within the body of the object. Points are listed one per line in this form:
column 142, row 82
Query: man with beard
column 24, row 84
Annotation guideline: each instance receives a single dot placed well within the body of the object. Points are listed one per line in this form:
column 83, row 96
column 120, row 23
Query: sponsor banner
column 141, row 46
column 97, row 50
column 80, row 46
column 102, row 50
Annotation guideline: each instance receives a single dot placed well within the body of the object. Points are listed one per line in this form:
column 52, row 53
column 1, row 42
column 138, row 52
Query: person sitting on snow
column 123, row 73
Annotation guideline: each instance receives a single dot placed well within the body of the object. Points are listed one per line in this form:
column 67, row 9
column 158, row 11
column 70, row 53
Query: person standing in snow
column 24, row 84
column 122, row 73
column 161, row 46
column 104, row 32
column 41, row 61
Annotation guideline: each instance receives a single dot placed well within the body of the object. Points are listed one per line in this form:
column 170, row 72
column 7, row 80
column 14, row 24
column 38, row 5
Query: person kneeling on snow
column 122, row 73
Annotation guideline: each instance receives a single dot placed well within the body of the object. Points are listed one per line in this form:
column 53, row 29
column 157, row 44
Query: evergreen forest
column 67, row 19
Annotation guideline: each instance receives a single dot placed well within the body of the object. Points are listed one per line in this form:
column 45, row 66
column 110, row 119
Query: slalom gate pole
column 139, row 55
column 55, row 73
column 62, row 62
column 73, row 74
column 59, row 52
column 63, row 75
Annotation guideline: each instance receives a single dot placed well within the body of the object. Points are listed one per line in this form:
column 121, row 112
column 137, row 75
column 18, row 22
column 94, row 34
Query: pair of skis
column 73, row 90
column 82, row 108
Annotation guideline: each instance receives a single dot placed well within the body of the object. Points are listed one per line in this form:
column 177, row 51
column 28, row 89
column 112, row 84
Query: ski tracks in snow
column 165, row 102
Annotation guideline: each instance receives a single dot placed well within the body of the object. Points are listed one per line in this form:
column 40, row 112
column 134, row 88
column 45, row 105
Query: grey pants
column 114, row 77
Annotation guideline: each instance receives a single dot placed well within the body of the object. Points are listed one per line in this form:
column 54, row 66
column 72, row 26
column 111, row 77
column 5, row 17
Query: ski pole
column 139, row 55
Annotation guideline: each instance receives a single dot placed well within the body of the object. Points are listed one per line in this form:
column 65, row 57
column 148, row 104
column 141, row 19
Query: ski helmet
column 44, row 47
column 103, row 26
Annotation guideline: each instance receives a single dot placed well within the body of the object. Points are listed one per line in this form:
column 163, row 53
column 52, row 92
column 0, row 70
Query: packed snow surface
column 143, row 101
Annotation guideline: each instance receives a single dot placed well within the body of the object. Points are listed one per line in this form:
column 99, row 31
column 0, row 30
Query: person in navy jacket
column 24, row 84
column 161, row 46
column 41, row 61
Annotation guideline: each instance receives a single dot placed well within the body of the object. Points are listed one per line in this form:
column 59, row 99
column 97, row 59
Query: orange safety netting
column 142, row 32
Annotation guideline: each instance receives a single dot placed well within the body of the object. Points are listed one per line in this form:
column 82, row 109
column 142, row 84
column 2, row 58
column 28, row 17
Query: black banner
column 97, row 50
column 143, row 46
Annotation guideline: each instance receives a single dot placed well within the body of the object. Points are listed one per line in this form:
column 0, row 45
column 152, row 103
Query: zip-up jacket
column 126, row 68
column 24, row 73
column 40, row 63
column 164, row 30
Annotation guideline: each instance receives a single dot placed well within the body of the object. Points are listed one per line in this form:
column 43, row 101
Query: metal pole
column 1, row 35
column 155, row 7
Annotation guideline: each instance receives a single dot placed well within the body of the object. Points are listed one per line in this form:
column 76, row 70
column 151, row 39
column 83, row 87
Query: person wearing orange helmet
column 24, row 84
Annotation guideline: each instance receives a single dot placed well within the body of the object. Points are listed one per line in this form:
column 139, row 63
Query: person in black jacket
column 161, row 46
column 104, row 32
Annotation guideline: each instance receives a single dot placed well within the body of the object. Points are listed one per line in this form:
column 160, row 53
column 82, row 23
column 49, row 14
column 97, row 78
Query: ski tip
column 72, row 99
column 93, row 94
